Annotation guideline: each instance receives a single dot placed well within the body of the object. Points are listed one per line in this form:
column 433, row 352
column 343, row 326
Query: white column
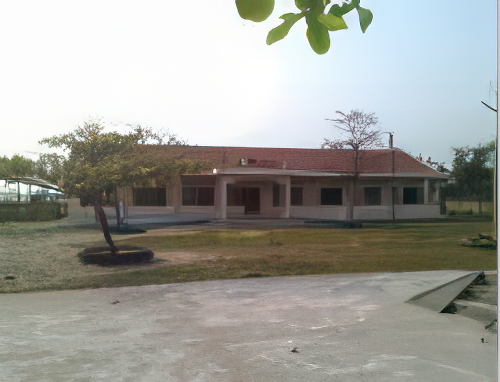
column 438, row 191
column 426, row 191
column 288, row 197
column 177, row 194
column 221, row 198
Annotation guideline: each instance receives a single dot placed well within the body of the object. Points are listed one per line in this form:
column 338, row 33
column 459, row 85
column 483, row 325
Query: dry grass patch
column 43, row 255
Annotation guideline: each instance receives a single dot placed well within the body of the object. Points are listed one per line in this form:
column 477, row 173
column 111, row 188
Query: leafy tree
column 49, row 167
column 17, row 166
column 438, row 166
column 100, row 161
column 319, row 21
column 473, row 171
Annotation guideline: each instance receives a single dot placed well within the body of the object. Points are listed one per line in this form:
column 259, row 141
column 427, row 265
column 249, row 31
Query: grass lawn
column 42, row 256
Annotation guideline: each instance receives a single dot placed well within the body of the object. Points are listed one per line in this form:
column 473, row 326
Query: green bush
column 465, row 212
column 30, row 211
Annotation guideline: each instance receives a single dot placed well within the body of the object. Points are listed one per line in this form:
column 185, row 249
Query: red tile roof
column 338, row 161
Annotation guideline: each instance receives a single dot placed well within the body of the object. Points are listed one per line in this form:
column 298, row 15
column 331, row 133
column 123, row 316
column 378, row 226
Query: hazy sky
column 199, row 70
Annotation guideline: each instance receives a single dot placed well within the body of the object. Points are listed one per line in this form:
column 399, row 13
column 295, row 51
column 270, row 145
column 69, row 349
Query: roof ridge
column 372, row 161
column 267, row 147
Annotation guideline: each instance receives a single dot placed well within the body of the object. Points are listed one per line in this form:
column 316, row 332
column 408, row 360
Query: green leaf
column 365, row 17
column 303, row 4
column 317, row 34
column 282, row 30
column 333, row 23
column 340, row 11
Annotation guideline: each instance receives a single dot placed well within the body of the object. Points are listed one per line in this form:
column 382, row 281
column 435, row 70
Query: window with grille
column 331, row 196
column 373, row 196
column 149, row 196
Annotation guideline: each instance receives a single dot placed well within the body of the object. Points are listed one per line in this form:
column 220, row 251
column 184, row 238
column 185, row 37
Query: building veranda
column 339, row 185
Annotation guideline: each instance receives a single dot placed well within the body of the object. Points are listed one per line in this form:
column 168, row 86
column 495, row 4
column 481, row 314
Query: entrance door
column 251, row 199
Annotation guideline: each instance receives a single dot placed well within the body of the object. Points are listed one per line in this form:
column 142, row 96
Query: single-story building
column 262, row 182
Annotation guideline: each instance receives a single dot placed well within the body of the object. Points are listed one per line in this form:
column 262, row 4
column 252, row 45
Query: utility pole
column 495, row 173
column 391, row 145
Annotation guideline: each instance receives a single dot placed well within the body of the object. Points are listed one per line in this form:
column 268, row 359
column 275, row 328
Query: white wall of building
column 372, row 213
column 417, row 211
column 151, row 210
column 319, row 212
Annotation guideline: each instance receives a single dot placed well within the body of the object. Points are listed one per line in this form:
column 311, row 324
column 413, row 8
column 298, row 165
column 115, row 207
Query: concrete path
column 314, row 328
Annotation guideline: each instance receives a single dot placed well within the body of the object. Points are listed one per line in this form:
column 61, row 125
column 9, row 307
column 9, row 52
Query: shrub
column 30, row 211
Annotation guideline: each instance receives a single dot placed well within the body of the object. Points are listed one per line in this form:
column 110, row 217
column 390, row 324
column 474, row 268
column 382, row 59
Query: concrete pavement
column 340, row 328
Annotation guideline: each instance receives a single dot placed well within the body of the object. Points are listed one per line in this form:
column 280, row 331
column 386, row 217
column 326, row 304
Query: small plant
column 480, row 240
column 492, row 324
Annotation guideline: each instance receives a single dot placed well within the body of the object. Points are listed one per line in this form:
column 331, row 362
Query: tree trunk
column 352, row 199
column 480, row 207
column 117, row 208
column 104, row 224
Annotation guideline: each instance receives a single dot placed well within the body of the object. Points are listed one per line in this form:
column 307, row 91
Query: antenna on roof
column 391, row 138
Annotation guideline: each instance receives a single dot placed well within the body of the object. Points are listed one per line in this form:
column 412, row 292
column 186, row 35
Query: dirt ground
column 162, row 259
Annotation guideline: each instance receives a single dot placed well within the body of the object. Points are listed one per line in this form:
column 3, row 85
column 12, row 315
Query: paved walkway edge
column 440, row 297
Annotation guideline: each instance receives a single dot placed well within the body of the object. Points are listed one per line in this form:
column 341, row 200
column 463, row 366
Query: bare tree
column 361, row 129
column 362, row 132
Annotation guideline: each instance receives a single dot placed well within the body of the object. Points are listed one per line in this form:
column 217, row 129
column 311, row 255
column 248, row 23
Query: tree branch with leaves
column 319, row 20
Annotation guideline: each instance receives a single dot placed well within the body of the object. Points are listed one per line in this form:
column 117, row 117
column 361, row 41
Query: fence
column 462, row 206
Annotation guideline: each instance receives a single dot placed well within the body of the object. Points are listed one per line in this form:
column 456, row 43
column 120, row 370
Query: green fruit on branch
column 255, row 10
